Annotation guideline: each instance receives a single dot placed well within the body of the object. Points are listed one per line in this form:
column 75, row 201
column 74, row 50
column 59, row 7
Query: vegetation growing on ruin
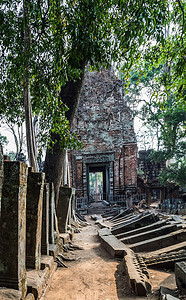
column 46, row 45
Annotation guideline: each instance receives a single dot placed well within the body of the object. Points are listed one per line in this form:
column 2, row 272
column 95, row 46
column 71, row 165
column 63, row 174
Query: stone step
column 149, row 234
column 142, row 229
column 160, row 242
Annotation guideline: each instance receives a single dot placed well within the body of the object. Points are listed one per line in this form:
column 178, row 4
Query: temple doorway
column 97, row 188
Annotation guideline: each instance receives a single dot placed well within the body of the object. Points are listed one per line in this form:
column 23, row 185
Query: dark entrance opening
column 97, row 182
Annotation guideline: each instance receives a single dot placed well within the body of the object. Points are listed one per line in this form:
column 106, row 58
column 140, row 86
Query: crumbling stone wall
column 105, row 125
column 150, row 170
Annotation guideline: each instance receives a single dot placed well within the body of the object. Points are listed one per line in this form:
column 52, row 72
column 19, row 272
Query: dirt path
column 94, row 275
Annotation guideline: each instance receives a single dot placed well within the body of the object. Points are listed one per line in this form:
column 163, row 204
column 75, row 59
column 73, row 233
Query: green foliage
column 174, row 173
column 12, row 155
column 92, row 180
column 3, row 140
column 46, row 70
column 64, row 36
column 161, row 74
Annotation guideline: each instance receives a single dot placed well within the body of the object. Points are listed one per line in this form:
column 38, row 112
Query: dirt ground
column 96, row 276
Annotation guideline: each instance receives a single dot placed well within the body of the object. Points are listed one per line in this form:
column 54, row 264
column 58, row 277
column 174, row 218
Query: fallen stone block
column 167, row 294
column 104, row 231
column 121, row 214
column 170, row 297
column 137, row 274
column 160, row 242
column 149, row 234
column 124, row 219
column 111, row 213
column 180, row 274
column 165, row 260
column 137, row 222
column 166, row 250
column 9, row 294
column 37, row 280
column 113, row 246
column 53, row 250
column 101, row 224
column 142, row 229
column 47, row 262
column 177, row 219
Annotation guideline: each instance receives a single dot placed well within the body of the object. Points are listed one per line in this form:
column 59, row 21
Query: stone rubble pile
column 149, row 239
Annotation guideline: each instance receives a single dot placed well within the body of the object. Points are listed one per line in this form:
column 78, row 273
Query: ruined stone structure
column 105, row 125
column 25, row 228
column 148, row 183
column 1, row 173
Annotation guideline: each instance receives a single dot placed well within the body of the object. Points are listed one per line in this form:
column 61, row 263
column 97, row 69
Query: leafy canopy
column 64, row 36
column 161, row 73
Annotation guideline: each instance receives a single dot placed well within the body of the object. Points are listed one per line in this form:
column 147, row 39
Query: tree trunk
column 54, row 160
column 31, row 148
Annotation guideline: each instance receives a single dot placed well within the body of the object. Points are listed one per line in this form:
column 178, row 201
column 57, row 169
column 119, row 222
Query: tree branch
column 183, row 14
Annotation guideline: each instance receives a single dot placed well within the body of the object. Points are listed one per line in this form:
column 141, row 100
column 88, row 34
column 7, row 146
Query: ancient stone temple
column 105, row 125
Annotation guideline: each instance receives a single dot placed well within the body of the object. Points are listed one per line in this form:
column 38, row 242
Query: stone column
column 34, row 219
column 13, row 227
column 51, row 214
column 62, row 211
column 148, row 196
column 1, row 173
column 45, row 221
column 116, row 174
column 72, row 206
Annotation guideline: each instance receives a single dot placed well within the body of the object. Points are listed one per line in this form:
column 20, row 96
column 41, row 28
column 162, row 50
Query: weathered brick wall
column 103, row 120
column 150, row 169
column 105, row 125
